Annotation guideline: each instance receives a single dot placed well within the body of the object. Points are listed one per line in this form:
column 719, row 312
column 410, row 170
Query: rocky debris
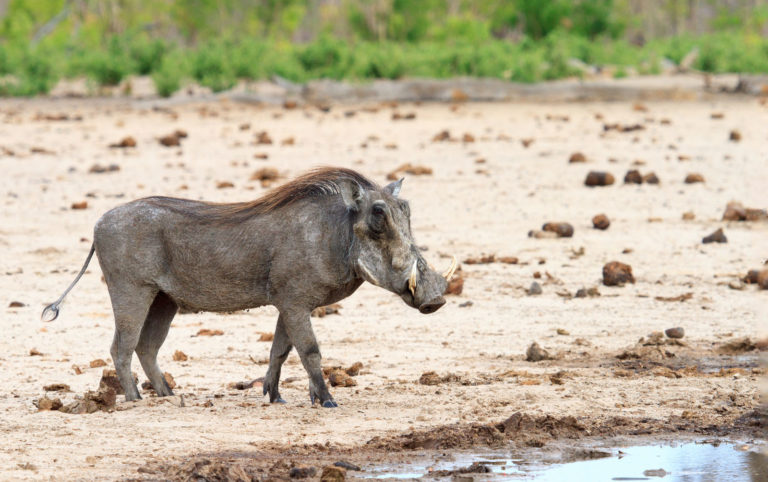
column 408, row 168
column 736, row 285
column 675, row 333
column 527, row 142
column 716, row 237
column 655, row 473
column 80, row 205
column 601, row 222
column 679, row 298
column 693, row 178
column 535, row 289
column 99, row 169
column 103, row 399
column 587, row 292
column 288, row 141
column 536, row 353
column 599, row 178
column 173, row 139
column 456, row 283
column 758, row 277
column 302, row 472
column 266, row 175
column 16, row 304
column 263, row 156
column 339, row 378
column 97, row 363
column 563, row 332
column 45, row 403
column 354, row 369
column 738, row 345
column 432, row 378
column 57, row 387
column 321, row 311
column 577, row 157
column 35, row 352
column 717, row 115
column 623, row 127
column 109, row 380
column 689, row 216
column 179, row 355
column 735, row 135
column 467, row 137
column 125, row 142
column 290, row 104
column 508, row 260
column 398, row 116
column 262, row 138
column 224, row 185
column 244, row 126
column 332, row 473
column 651, row 178
column 147, row 385
column 735, row 211
column 209, row 332
column 633, row 176
column 266, row 336
column 563, row 230
column 616, row 273
column 207, row 470
column 482, row 259
column 347, row 465
column 442, row 136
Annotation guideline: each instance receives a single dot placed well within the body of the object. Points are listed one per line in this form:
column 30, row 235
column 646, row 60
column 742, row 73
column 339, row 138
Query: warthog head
column 387, row 255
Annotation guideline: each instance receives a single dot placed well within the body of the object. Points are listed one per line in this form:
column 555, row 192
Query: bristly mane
column 323, row 181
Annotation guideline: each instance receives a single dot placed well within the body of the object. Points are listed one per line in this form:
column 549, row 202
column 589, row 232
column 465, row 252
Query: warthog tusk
column 412, row 279
column 447, row 275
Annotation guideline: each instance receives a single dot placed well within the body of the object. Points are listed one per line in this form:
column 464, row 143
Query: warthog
column 308, row 243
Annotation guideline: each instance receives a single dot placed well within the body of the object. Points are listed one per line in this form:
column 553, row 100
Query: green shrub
column 211, row 67
column 147, row 55
column 170, row 74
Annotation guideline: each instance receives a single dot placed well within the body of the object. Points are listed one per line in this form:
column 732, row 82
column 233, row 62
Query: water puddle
column 689, row 461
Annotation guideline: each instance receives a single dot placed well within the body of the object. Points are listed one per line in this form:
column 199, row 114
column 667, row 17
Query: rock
column 738, row 345
column 35, row 352
column 289, row 104
column 97, row 363
column 735, row 211
column 57, row 387
column 430, row 378
column 263, row 138
column 716, row 237
column 208, row 332
column 171, row 140
column 633, row 177
column 563, row 230
column 689, row 216
column 333, row 474
column 302, row 472
column 80, row 205
column 467, row 137
column 339, row 378
column 616, row 273
column 651, row 178
column 46, row 403
column 601, row 221
column 124, row 143
column 736, row 285
column 734, row 136
column 562, row 331
column 482, row 259
column 224, row 185
column 599, row 178
column 455, row 285
column 587, row 292
column 347, row 465
column 535, row 289
column 655, row 473
column 265, row 174
column 408, row 168
column 109, row 380
column 527, row 142
column 266, row 336
column 179, row 355
column 508, row 260
column 535, row 353
column 542, row 234
column 441, row 136
column 675, row 333
column 354, row 370
column 16, row 304
column 99, row 169
column 577, row 157
column 693, row 178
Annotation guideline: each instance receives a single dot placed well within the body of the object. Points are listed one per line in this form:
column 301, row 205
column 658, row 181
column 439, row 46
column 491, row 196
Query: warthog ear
column 393, row 188
column 352, row 193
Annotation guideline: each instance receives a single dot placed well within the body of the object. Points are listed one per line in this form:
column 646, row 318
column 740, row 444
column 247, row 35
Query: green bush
column 170, row 74
column 212, row 68
column 147, row 55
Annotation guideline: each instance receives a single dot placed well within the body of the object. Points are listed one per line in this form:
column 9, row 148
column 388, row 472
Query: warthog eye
column 377, row 222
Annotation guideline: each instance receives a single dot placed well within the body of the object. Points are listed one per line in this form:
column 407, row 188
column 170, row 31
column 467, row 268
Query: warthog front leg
column 281, row 347
column 153, row 335
column 299, row 329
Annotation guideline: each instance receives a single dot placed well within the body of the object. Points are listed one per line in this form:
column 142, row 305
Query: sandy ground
column 464, row 207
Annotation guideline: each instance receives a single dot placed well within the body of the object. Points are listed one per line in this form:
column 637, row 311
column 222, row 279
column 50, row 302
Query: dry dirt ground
column 487, row 190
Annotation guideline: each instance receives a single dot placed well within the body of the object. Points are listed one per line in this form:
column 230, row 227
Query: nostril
column 432, row 306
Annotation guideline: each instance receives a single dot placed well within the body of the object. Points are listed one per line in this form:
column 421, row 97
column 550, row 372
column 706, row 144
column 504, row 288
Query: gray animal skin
column 308, row 243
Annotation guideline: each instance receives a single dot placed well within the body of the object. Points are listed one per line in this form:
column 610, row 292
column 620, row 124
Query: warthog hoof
column 330, row 404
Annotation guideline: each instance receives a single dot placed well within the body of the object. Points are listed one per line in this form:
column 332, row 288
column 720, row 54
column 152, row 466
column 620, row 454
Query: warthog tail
column 51, row 312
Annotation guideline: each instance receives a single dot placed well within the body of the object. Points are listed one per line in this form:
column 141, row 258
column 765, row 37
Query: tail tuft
column 50, row 313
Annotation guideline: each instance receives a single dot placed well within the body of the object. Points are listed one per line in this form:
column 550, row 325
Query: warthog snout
column 431, row 306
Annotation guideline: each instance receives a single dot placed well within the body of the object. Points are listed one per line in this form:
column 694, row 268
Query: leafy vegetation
column 216, row 43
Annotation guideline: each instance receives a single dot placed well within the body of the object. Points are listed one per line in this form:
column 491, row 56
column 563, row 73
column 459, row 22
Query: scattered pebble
column 563, row 230
column 124, row 143
column 562, row 331
column 224, row 185
column 80, row 205
column 535, row 289
column 617, row 273
column 179, row 355
column 735, row 135
column 99, row 169
column 45, row 403
column 173, row 139
column 347, row 465
column 302, row 472
column 408, row 168
column 441, row 136
column 601, row 222
column 333, row 474
column 599, row 178
column 633, row 176
column 675, row 333
column 266, row 175
column 97, row 363
column 651, row 178
column 57, row 387
column 689, row 216
column 263, row 138
column 266, row 336
column 735, row 211
column 693, row 178
column 577, row 157
column 340, row 378
column 208, row 332
column 587, row 292
column 16, row 304
column 716, row 237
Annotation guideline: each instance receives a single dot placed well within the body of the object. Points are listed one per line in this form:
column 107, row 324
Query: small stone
column 689, row 216
column 736, row 285
column 716, row 237
column 617, row 273
column 224, row 185
column 535, row 353
column 302, row 472
column 735, row 135
column 347, row 465
column 339, row 378
column 563, row 230
column 80, row 205
column 561, row 331
column 354, row 370
column 125, row 142
column 601, row 221
column 16, row 304
column 651, row 178
column 693, row 178
column 179, row 355
column 675, row 333
column 98, row 363
column 655, row 473
column 633, row 177
column 577, row 157
column 56, row 387
column 599, row 178
column 535, row 289
column 46, row 403
column 587, row 292
column 333, row 474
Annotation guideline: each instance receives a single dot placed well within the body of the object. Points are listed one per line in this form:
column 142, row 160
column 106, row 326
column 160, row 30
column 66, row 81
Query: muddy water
column 689, row 461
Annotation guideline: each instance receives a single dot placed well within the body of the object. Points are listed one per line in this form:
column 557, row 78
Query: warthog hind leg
column 281, row 347
column 130, row 305
column 153, row 335
column 299, row 329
